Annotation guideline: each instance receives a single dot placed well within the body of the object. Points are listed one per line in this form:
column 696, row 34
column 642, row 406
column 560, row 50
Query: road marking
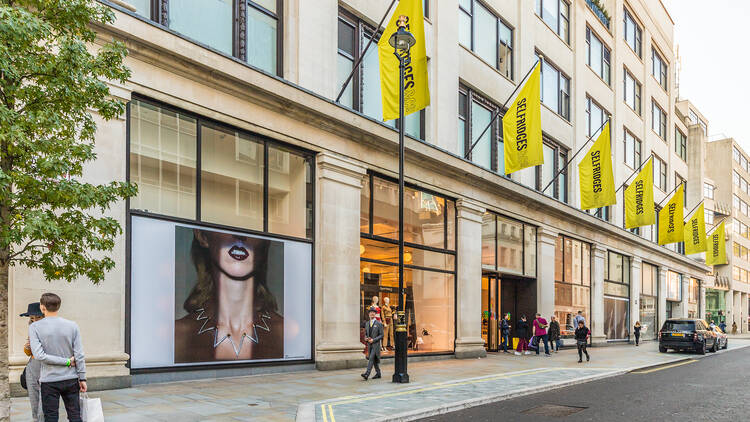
column 330, row 409
column 323, row 410
column 665, row 367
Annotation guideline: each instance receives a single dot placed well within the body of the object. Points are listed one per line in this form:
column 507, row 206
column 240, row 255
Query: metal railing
column 598, row 12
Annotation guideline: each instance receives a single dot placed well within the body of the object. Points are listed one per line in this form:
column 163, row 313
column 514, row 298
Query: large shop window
column 616, row 296
column 508, row 246
column 674, row 286
column 363, row 91
column 214, row 23
column 211, row 281
column 694, row 292
column 649, row 300
column 429, row 261
column 572, row 283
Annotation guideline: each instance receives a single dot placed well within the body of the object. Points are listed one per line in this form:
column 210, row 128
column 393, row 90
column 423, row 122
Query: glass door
column 490, row 327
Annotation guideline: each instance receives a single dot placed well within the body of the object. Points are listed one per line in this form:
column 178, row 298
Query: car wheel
column 662, row 349
column 702, row 348
column 726, row 344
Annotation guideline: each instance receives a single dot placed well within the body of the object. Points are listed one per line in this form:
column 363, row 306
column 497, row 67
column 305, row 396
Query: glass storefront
column 716, row 310
column 649, row 301
column 429, row 263
column 616, row 296
column 693, row 297
column 674, row 292
column 572, row 283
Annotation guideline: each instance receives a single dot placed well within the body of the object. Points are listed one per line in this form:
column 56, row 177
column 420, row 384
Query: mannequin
column 374, row 304
column 388, row 323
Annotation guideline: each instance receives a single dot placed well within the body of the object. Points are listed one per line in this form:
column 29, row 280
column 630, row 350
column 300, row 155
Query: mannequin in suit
column 387, row 313
column 373, row 337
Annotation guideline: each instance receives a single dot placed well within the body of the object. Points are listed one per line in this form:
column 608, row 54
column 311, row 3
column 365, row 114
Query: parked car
column 722, row 338
column 687, row 334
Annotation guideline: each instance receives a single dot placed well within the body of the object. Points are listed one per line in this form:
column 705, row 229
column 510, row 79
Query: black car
column 688, row 334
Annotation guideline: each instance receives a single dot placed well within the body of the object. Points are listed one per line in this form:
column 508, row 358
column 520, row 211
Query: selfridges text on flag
column 522, row 127
column 670, row 219
column 416, row 86
column 716, row 253
column 596, row 180
column 639, row 199
column 695, row 232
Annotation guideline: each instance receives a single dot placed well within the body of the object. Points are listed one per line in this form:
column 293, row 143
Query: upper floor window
column 597, row 55
column 475, row 113
column 698, row 121
column 632, row 92
column 736, row 154
column 632, row 33
column 659, row 68
column 487, row 35
column 555, row 90
column 212, row 23
column 680, row 144
column 660, row 173
column 555, row 159
column 708, row 190
column 658, row 120
column 556, row 13
column 363, row 91
column 595, row 116
column 709, row 215
column 632, row 150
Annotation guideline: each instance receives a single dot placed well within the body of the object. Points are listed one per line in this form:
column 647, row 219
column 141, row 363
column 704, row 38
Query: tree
column 51, row 80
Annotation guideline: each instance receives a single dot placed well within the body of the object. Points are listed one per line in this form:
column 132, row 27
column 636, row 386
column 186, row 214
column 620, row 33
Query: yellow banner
column 695, row 232
column 522, row 127
column 717, row 253
column 596, row 180
column 416, row 86
column 670, row 219
column 639, row 199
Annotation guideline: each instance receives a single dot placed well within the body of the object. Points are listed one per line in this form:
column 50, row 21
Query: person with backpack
column 522, row 331
column 540, row 332
column 554, row 334
column 582, row 335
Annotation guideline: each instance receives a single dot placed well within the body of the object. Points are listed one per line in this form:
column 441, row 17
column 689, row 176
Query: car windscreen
column 679, row 326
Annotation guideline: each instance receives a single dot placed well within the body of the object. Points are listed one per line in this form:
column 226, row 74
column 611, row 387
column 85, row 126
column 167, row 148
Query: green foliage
column 52, row 75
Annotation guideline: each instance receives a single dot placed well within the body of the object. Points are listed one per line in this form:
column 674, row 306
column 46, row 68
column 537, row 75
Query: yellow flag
column 596, row 180
column 416, row 87
column 670, row 219
column 695, row 232
column 639, row 199
column 522, row 127
column 716, row 253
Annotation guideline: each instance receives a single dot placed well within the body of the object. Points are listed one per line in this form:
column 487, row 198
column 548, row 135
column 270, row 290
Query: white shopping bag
column 91, row 409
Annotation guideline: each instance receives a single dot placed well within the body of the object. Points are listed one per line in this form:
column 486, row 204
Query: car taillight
column 659, row 333
column 695, row 336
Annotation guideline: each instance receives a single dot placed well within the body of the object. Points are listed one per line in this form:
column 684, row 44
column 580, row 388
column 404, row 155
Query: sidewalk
column 331, row 396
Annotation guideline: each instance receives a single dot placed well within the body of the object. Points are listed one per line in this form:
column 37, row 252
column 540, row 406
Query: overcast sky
column 713, row 37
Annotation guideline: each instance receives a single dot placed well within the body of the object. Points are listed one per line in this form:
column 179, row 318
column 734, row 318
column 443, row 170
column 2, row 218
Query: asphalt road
column 711, row 388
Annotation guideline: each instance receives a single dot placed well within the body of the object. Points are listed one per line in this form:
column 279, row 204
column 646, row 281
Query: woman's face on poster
column 234, row 255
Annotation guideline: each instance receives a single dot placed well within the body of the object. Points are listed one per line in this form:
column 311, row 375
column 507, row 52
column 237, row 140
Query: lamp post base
column 400, row 374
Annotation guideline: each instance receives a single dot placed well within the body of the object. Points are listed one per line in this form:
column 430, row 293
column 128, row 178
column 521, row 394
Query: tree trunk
column 4, row 367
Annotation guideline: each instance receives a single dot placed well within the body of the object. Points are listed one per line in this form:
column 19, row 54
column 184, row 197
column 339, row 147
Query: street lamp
column 401, row 41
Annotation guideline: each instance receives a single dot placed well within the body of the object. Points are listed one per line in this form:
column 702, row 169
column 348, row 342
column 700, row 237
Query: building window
column 632, row 150
column 555, row 89
column 660, row 173
column 632, row 92
column 632, row 33
column 262, row 24
column 616, row 296
column 659, row 68
column 426, row 8
column 708, row 190
column 555, row 13
column 736, row 178
column 736, row 154
column 239, row 186
column 508, row 246
column 429, row 261
column 649, row 300
column 709, row 216
column 674, row 286
column 693, row 116
column 474, row 114
column 595, row 116
column 743, row 162
column 680, row 144
column 597, row 55
column 572, row 283
column 363, row 91
column 555, row 158
column 658, row 120
column 487, row 35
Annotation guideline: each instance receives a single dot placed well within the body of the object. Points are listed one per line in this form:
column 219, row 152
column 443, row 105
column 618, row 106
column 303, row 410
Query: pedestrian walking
column 579, row 317
column 637, row 331
column 723, row 326
column 522, row 330
column 373, row 335
column 554, row 334
column 33, row 367
column 582, row 335
column 540, row 332
column 734, row 328
column 505, row 332
column 56, row 343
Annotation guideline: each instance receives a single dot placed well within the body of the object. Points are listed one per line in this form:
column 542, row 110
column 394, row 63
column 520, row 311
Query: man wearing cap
column 34, row 367
column 373, row 336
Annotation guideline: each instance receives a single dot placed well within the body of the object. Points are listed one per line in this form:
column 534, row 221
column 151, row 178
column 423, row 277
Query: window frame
column 708, row 190
column 680, row 144
column 662, row 130
column 539, row 7
column 663, row 78
column 563, row 97
column 660, row 166
column 559, row 151
column 637, row 92
column 606, row 58
column 495, row 131
column 498, row 20
column 638, row 36
column 636, row 154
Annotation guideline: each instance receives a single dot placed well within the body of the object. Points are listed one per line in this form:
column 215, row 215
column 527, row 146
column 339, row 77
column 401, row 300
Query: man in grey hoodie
column 56, row 343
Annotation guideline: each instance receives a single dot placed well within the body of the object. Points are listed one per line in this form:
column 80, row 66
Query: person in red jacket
column 540, row 332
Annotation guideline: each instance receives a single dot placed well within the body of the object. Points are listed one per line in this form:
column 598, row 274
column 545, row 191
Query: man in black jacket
column 373, row 336
column 582, row 335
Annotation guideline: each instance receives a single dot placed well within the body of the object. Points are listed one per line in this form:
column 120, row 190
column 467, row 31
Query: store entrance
column 503, row 294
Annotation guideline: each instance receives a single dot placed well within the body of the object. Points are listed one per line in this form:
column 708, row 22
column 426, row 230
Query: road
column 711, row 388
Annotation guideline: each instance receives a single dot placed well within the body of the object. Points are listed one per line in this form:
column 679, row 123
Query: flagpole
column 634, row 172
column 362, row 55
column 716, row 225
column 668, row 195
column 695, row 208
column 501, row 108
column 559, row 172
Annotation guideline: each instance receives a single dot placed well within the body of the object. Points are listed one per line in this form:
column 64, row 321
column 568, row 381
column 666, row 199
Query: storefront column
column 597, row 294
column 729, row 305
column 702, row 302
column 662, row 296
column 469, row 342
column 545, row 277
column 635, row 293
column 737, row 314
column 684, row 311
column 337, row 263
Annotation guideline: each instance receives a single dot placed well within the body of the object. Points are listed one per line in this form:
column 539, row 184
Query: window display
column 649, row 300
column 572, row 283
column 616, row 296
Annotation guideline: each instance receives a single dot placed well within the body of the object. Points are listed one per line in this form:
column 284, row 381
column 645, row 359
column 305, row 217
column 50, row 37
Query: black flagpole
column 670, row 194
column 716, row 225
column 498, row 111
column 694, row 208
column 634, row 172
column 362, row 55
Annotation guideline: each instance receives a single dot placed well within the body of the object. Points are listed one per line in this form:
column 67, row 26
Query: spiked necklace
column 228, row 337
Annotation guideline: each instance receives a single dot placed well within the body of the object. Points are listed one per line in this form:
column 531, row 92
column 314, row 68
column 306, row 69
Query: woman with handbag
column 30, row 375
